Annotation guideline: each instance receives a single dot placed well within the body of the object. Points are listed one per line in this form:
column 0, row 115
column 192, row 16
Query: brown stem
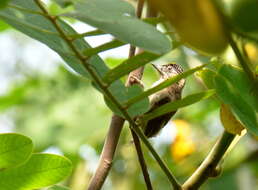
column 115, row 129
column 107, row 154
column 143, row 165
column 208, row 166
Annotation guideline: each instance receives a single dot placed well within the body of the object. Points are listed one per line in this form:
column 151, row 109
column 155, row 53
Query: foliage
column 28, row 170
column 58, row 114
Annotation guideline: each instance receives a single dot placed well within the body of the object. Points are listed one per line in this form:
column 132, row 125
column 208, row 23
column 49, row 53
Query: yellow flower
column 183, row 145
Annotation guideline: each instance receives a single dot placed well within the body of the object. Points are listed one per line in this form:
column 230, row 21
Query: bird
column 169, row 94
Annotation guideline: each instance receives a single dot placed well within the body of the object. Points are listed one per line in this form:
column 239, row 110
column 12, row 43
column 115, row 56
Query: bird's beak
column 157, row 67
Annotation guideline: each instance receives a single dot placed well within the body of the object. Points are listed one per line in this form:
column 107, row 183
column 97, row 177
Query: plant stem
column 107, row 153
column 143, row 165
column 243, row 63
column 107, row 93
column 208, row 166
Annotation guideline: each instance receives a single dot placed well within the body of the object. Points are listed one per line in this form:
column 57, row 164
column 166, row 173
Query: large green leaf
column 118, row 18
column 241, row 83
column 15, row 149
column 173, row 106
column 228, row 93
column 41, row 170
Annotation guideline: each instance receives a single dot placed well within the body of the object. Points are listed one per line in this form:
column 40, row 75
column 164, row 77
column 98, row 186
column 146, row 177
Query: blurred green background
column 41, row 98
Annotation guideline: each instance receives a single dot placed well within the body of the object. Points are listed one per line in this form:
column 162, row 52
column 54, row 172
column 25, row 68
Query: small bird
column 169, row 94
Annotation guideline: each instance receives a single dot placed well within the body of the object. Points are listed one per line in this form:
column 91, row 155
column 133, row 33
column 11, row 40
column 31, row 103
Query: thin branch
column 244, row 63
column 83, row 59
column 111, row 141
column 107, row 154
column 143, row 165
column 208, row 166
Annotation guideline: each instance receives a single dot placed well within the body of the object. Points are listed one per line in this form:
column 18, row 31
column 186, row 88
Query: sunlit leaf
column 118, row 18
column 207, row 77
column 41, row 170
column 3, row 26
column 15, row 149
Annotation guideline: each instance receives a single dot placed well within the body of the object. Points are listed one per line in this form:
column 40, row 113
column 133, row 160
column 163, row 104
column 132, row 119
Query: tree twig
column 115, row 128
column 208, row 166
column 142, row 161
column 84, row 61
column 244, row 63
column 107, row 153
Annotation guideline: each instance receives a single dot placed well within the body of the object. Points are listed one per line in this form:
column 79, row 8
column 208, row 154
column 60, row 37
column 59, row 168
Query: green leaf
column 64, row 3
column 3, row 26
column 41, row 170
column 129, row 65
column 136, row 109
column 229, row 95
column 3, row 3
column 118, row 18
column 241, row 83
column 163, row 85
column 57, row 187
column 207, row 77
column 173, row 106
column 103, row 47
column 15, row 149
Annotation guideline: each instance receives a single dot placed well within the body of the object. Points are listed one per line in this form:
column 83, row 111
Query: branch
column 107, row 154
column 83, row 60
column 143, row 165
column 208, row 166
column 115, row 129
column 243, row 62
